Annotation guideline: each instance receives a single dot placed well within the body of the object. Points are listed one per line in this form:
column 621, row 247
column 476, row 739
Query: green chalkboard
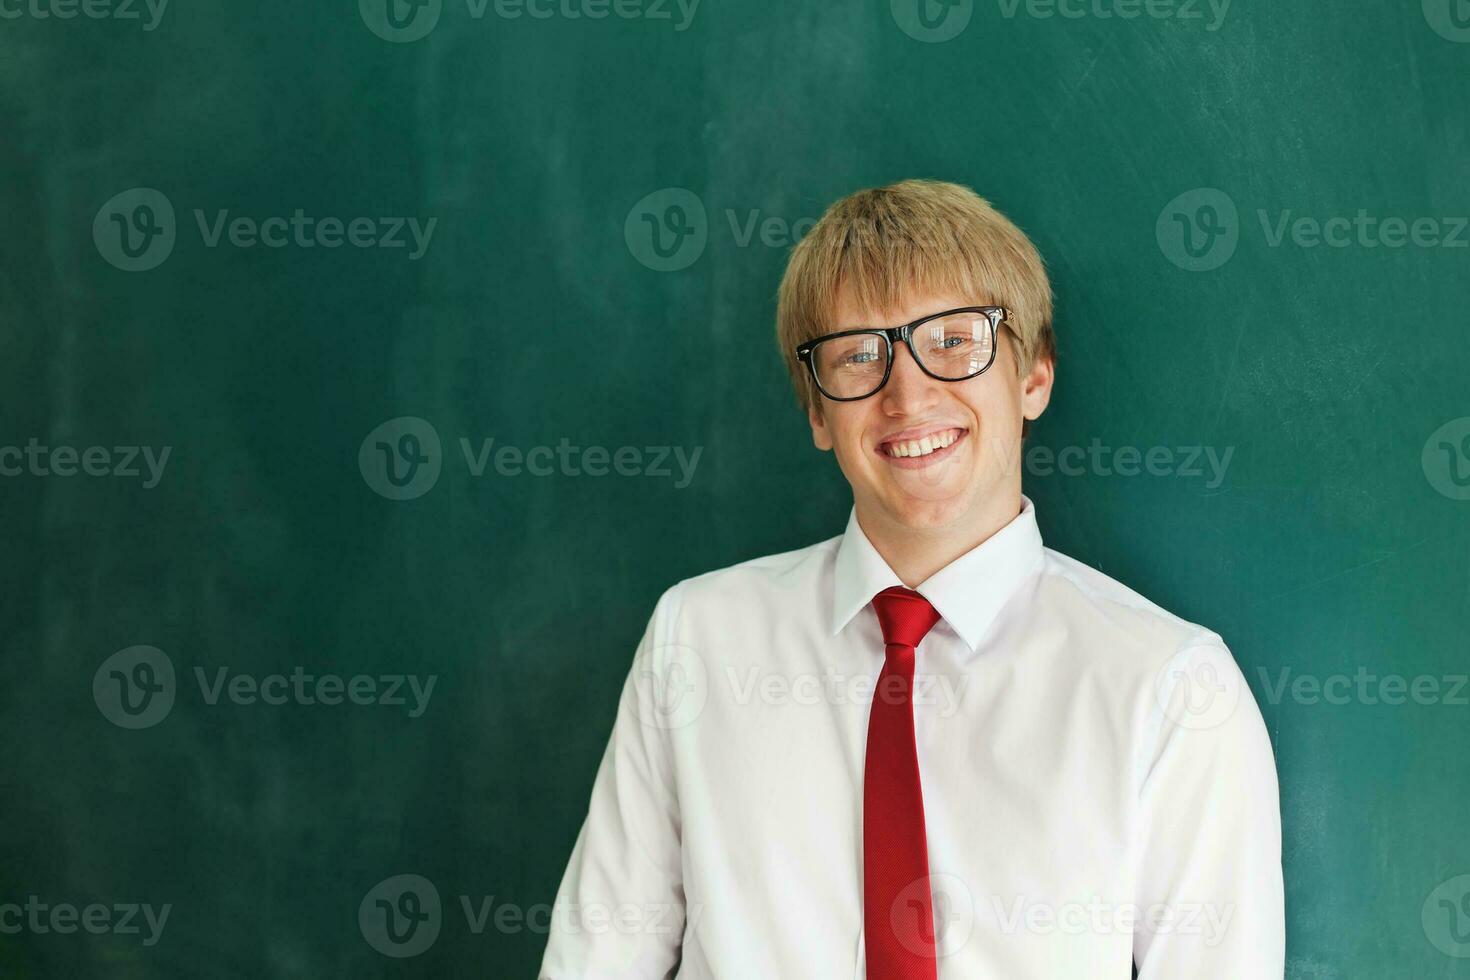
column 252, row 251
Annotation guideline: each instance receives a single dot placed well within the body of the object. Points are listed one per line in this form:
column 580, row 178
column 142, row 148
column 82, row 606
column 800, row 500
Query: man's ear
column 1036, row 387
column 821, row 436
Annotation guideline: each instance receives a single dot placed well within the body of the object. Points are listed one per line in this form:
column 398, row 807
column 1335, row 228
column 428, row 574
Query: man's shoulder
column 754, row 581
column 782, row 570
column 1098, row 602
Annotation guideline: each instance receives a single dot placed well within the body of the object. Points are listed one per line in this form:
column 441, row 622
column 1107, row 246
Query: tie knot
column 904, row 615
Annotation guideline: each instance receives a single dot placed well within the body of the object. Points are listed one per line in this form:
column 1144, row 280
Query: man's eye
column 862, row 357
column 951, row 343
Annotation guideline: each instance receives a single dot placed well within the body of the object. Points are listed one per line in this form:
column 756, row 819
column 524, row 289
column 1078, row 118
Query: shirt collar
column 968, row 592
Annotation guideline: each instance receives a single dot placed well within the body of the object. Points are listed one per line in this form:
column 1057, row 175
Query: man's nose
column 907, row 381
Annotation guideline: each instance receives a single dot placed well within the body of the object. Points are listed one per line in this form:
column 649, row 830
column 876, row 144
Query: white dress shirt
column 1098, row 784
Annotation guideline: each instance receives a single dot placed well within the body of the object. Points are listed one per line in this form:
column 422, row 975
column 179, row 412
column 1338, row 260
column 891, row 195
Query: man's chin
column 938, row 507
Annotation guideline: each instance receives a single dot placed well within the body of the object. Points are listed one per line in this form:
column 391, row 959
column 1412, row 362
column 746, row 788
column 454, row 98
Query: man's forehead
column 913, row 304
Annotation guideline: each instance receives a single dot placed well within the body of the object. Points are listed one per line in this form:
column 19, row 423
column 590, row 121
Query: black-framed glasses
column 954, row 345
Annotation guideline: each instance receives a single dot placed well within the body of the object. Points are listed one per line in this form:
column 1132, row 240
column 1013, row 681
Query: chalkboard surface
column 351, row 427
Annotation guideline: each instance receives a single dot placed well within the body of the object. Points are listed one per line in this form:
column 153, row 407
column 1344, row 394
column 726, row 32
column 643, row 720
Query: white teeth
column 924, row 446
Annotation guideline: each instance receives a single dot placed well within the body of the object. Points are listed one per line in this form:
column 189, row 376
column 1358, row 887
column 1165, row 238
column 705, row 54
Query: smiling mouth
column 933, row 446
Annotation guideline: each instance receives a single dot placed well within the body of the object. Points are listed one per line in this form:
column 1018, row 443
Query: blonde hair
column 887, row 243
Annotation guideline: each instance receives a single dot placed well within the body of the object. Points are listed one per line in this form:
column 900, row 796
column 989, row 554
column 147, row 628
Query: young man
column 929, row 747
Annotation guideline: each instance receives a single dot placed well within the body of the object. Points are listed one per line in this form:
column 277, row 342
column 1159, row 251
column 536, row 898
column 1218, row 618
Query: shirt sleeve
column 619, row 913
column 1210, row 900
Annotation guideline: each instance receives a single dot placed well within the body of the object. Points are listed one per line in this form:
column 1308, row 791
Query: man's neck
column 914, row 554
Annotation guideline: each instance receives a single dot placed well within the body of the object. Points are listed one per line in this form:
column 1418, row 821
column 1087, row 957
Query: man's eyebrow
column 865, row 323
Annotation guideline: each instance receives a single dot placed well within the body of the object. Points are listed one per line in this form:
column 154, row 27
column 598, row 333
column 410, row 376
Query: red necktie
column 898, row 907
